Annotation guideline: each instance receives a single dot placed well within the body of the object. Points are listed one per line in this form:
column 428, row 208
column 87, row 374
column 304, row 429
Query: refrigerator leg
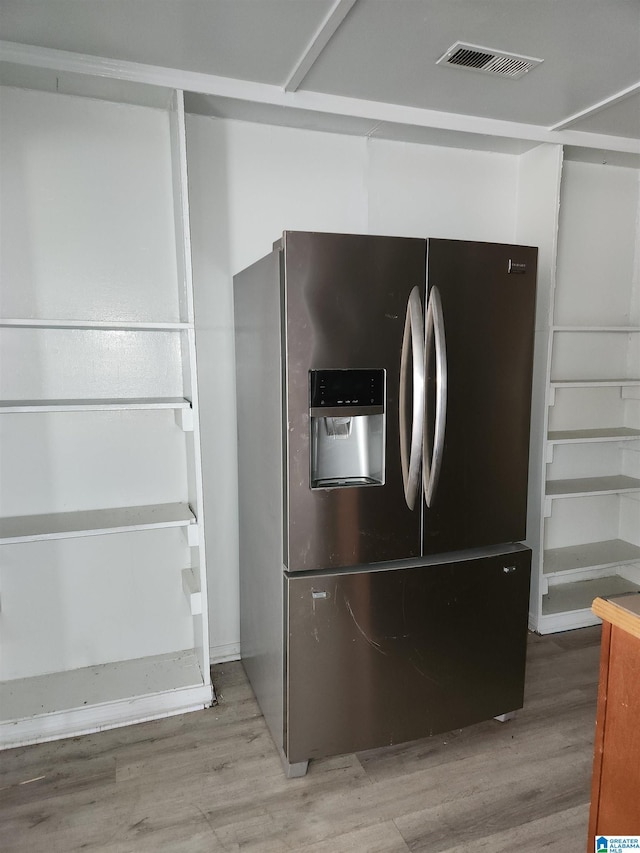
column 293, row 771
column 504, row 718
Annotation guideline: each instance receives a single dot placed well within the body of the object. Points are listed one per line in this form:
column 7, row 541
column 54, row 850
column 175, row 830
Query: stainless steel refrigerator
column 384, row 391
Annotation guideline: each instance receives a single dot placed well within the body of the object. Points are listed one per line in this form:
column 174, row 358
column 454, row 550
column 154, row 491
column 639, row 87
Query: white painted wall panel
column 587, row 408
column 82, row 602
column 586, row 460
column 631, row 462
column 598, row 247
column 539, row 175
column 280, row 179
column 87, row 228
column 575, row 521
column 630, row 518
column 63, row 462
column 589, row 355
column 426, row 191
column 632, row 412
column 72, row 363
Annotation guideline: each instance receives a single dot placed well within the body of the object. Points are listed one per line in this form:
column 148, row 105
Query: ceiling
column 266, row 59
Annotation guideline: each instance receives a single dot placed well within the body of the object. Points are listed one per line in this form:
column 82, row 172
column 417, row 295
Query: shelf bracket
column 552, row 395
column 550, row 452
column 191, row 589
column 184, row 419
column 192, row 532
column 548, row 505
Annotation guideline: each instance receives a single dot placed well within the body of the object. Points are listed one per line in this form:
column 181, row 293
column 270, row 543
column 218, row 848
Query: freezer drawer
column 380, row 657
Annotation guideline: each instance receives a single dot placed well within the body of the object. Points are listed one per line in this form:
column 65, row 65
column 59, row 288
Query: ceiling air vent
column 477, row 58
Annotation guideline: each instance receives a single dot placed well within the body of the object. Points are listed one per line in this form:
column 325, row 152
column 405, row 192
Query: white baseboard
column 567, row 621
column 108, row 715
column 224, row 652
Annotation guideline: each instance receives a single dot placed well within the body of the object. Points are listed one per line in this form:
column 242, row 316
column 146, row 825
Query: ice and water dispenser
column 347, row 423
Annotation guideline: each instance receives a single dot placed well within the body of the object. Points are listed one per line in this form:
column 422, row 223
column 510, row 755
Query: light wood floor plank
column 482, row 807
column 542, row 834
column 379, row 838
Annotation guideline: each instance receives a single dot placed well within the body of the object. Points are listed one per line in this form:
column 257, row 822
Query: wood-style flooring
column 212, row 780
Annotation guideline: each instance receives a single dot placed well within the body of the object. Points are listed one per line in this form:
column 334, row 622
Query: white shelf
column 586, row 486
column 594, row 555
column 108, row 325
column 593, row 383
column 580, row 595
column 84, row 700
column 575, row 436
column 69, row 525
column 625, row 329
column 106, row 405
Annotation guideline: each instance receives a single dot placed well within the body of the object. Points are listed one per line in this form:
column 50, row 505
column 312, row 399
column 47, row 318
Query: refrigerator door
column 478, row 369
column 352, row 314
column 375, row 658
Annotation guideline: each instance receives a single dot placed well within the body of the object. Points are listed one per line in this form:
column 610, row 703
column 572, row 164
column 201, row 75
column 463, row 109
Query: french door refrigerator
column 384, row 389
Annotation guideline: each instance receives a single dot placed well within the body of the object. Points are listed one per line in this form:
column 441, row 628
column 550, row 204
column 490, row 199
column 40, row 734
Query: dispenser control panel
column 331, row 389
column 346, row 428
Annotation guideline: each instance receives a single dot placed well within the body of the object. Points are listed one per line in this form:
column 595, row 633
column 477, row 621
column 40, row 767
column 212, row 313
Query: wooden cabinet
column 615, row 792
column 102, row 576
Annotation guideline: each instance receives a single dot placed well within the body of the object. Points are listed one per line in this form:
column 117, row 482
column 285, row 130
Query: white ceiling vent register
column 476, row 58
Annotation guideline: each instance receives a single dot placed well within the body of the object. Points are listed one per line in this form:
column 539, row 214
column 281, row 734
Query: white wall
column 599, row 211
column 76, row 240
column 426, row 191
column 247, row 184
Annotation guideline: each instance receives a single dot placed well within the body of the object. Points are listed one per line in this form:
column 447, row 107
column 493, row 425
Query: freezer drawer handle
column 410, row 455
column 435, row 328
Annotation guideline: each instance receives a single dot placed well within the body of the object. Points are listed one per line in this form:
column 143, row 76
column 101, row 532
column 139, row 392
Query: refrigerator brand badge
column 517, row 266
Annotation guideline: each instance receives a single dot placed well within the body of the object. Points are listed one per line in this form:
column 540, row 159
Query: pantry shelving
column 103, row 616
column 593, row 555
column 590, row 525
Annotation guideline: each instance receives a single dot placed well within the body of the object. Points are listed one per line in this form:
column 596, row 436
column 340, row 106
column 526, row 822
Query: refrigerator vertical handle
column 435, row 329
column 411, row 450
